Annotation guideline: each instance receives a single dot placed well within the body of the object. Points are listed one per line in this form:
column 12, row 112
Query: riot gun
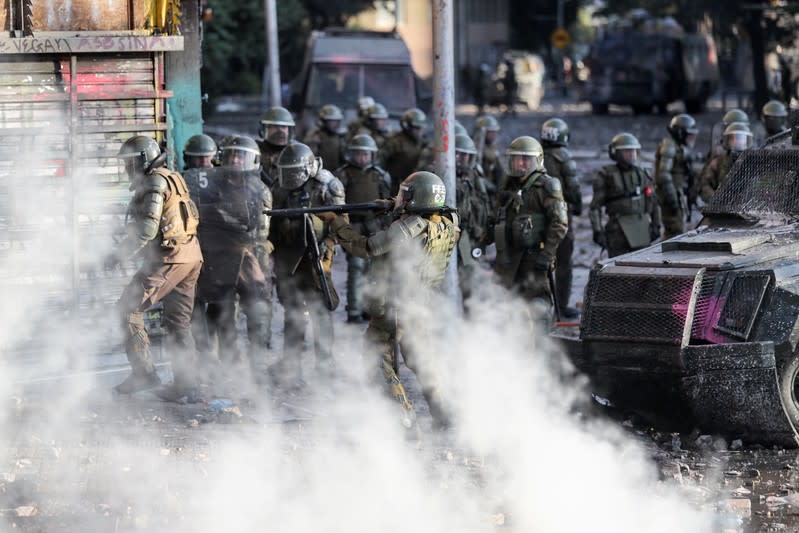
column 338, row 209
column 315, row 257
column 376, row 207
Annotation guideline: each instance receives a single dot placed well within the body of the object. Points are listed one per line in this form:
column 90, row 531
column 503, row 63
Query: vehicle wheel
column 695, row 105
column 789, row 388
column 599, row 109
column 641, row 109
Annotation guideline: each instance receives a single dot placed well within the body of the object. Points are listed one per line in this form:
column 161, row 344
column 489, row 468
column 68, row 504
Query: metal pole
column 444, row 114
column 272, row 56
column 559, row 53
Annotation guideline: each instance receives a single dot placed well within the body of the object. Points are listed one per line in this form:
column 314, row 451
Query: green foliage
column 234, row 44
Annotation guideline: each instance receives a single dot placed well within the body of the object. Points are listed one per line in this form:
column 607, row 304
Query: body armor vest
column 363, row 185
column 179, row 217
column 331, row 147
column 473, row 203
column 439, row 240
column 626, row 192
column 525, row 220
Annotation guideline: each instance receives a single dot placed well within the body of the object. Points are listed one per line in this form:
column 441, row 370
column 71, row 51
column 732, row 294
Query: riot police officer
column 559, row 164
column 162, row 232
column 198, row 152
column 354, row 127
column 302, row 182
column 232, row 232
column 327, row 140
column 276, row 131
column 733, row 115
column 626, row 192
column 473, row 208
column 531, row 222
column 375, row 124
column 424, row 237
column 488, row 127
column 737, row 138
column 363, row 181
column 673, row 174
column 401, row 152
column 775, row 117
column 426, row 158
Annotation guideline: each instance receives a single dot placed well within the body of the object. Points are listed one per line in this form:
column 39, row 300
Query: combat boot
column 138, row 381
column 179, row 392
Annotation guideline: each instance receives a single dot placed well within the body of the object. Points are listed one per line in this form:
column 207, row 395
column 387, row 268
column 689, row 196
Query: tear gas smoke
column 517, row 447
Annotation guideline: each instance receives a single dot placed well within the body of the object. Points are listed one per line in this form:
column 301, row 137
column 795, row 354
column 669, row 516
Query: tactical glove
column 328, row 250
column 601, row 239
column 543, row 261
column 327, row 217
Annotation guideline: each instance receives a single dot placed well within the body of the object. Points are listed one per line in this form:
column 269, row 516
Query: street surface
column 531, row 451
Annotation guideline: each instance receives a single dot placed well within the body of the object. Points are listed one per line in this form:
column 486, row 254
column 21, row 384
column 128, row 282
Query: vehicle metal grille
column 638, row 307
column 741, row 304
column 707, row 304
column 761, row 182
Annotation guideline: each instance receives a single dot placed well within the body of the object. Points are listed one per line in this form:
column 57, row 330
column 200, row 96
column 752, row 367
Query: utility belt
column 632, row 203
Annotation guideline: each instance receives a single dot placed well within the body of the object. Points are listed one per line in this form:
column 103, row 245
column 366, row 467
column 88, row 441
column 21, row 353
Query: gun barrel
column 345, row 208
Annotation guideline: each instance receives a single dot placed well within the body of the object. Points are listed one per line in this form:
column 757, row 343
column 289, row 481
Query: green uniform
column 162, row 229
column 714, row 173
column 492, row 167
column 357, row 128
column 328, row 146
column 628, row 197
column 429, row 240
column 672, row 181
column 297, row 287
column 529, row 227
column 362, row 185
column 559, row 164
column 269, row 155
column 400, row 156
column 474, row 207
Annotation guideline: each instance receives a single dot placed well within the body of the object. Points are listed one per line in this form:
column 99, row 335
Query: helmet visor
column 239, row 159
column 627, row 155
column 464, row 161
column 291, row 178
column 518, row 165
column 738, row 142
column 359, row 158
column 774, row 124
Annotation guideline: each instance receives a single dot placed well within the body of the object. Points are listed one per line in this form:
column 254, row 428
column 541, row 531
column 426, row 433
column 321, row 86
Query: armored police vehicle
column 646, row 69
column 343, row 65
column 704, row 327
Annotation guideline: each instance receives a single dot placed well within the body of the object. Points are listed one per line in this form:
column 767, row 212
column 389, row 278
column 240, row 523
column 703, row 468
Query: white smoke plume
column 518, row 453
